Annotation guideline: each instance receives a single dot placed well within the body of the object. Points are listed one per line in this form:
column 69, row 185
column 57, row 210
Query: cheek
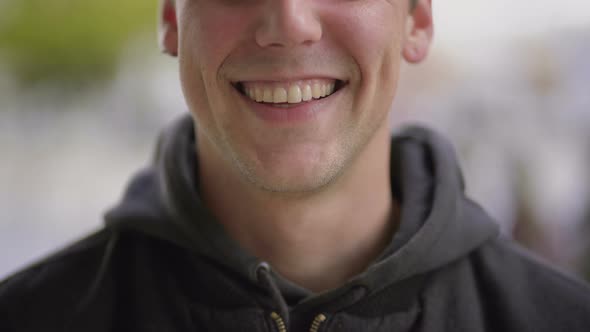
column 212, row 31
column 207, row 36
column 371, row 31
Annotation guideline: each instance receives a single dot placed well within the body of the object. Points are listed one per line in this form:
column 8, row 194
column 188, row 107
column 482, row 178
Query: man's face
column 254, row 72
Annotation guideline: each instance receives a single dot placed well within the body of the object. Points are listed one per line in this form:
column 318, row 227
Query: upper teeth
column 292, row 93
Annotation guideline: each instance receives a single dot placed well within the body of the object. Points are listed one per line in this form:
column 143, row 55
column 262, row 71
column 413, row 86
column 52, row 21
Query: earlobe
column 419, row 32
column 168, row 28
column 416, row 48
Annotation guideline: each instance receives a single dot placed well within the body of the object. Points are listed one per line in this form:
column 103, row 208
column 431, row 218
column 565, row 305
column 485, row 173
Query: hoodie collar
column 438, row 223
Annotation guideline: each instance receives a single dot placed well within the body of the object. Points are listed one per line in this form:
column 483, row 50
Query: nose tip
column 287, row 23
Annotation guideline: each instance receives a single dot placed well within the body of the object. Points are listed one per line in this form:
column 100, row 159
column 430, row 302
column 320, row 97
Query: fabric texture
column 163, row 263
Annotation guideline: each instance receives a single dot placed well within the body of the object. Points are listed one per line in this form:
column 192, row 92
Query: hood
column 438, row 223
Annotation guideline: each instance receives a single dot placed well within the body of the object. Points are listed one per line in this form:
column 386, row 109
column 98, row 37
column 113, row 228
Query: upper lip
column 286, row 78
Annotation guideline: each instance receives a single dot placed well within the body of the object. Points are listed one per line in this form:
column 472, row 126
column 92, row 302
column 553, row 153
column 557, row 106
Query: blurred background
column 84, row 91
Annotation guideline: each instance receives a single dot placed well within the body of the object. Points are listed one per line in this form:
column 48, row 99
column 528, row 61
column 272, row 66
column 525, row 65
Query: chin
column 292, row 187
column 291, row 179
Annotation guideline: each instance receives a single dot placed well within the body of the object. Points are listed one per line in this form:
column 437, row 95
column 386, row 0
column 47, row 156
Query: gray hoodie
column 163, row 263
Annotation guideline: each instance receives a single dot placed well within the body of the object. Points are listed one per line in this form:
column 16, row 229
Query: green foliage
column 70, row 40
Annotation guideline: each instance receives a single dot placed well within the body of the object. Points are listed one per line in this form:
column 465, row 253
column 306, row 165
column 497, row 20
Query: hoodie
column 163, row 263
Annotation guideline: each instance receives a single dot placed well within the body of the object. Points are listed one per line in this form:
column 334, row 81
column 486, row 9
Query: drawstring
column 348, row 299
column 267, row 281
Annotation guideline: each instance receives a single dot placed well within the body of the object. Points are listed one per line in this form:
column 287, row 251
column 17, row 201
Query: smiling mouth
column 288, row 93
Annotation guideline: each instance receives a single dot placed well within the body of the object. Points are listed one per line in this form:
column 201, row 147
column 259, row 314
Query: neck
column 318, row 241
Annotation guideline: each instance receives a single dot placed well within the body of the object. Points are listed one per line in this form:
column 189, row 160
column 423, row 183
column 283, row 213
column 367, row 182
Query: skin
column 311, row 197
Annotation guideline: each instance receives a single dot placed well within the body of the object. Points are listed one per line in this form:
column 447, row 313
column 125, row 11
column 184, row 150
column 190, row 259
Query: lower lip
column 293, row 113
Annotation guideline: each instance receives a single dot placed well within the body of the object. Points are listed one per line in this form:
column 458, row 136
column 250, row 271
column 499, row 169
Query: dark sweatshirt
column 163, row 263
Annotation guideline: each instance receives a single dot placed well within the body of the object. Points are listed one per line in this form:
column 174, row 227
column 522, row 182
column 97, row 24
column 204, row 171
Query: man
column 283, row 204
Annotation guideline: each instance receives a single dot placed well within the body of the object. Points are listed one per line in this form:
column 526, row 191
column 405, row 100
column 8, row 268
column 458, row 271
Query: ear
column 168, row 27
column 419, row 31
